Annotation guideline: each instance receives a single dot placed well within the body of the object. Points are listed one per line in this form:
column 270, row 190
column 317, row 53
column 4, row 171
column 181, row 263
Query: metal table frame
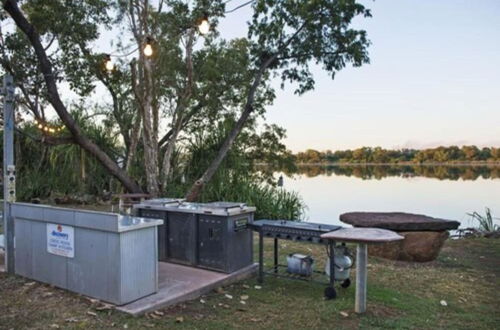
column 330, row 248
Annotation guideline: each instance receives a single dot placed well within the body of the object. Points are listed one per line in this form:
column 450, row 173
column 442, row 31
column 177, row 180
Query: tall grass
column 271, row 202
column 486, row 222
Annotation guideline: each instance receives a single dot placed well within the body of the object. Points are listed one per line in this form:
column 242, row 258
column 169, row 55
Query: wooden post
column 361, row 276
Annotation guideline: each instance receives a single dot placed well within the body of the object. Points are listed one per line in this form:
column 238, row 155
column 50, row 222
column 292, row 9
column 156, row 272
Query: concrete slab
column 177, row 283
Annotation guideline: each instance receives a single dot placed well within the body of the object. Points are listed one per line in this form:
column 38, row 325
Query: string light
column 108, row 64
column 204, row 25
column 148, row 48
column 46, row 128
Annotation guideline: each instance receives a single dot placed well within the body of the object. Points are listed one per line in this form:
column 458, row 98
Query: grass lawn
column 400, row 296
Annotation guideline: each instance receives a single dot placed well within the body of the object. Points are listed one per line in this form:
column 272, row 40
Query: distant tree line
column 452, row 154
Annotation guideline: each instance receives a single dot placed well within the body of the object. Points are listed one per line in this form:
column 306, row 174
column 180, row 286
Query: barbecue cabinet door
column 181, row 233
column 211, row 232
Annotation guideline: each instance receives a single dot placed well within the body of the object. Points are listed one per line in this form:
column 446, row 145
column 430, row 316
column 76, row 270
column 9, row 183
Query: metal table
column 362, row 236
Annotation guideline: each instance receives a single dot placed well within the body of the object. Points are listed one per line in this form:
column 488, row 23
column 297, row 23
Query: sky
column 434, row 79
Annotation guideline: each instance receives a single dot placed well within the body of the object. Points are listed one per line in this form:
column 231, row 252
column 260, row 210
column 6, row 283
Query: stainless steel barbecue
column 208, row 235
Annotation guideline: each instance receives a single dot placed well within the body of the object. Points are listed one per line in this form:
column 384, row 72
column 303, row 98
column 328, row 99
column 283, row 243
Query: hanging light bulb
column 204, row 25
column 148, row 48
column 40, row 126
column 108, row 64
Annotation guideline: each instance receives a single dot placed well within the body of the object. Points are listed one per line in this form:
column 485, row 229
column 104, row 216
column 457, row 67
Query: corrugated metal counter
column 102, row 255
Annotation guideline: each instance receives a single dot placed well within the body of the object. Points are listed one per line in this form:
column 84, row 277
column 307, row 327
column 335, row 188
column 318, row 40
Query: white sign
column 61, row 240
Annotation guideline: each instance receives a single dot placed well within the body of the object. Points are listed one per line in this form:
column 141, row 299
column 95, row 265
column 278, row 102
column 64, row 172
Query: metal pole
column 9, row 179
column 276, row 255
column 261, row 257
column 361, row 275
column 331, row 252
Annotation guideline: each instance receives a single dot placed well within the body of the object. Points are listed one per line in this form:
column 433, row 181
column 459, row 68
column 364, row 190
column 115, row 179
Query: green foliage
column 305, row 32
column 379, row 155
column 486, row 221
column 48, row 170
column 238, row 178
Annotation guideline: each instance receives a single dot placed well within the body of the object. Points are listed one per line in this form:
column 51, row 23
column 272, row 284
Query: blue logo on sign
column 61, row 235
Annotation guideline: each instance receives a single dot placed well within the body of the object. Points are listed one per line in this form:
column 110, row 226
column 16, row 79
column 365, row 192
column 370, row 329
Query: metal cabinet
column 181, row 233
column 207, row 235
column 225, row 243
column 211, row 244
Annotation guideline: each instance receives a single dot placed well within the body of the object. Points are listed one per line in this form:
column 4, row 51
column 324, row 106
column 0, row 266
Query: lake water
column 443, row 192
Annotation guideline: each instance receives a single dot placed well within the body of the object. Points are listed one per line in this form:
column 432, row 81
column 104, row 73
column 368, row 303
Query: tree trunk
column 149, row 133
column 12, row 8
column 134, row 140
column 197, row 187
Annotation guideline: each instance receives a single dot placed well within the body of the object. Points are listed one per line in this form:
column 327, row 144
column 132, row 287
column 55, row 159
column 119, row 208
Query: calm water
column 445, row 192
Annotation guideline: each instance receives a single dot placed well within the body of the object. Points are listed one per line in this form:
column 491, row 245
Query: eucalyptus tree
column 287, row 36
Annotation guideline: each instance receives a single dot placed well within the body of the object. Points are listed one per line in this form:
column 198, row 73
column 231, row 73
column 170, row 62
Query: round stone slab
column 362, row 235
column 398, row 221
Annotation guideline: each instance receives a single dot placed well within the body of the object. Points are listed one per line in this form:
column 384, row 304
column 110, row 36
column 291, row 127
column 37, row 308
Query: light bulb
column 40, row 126
column 204, row 26
column 108, row 64
column 148, row 50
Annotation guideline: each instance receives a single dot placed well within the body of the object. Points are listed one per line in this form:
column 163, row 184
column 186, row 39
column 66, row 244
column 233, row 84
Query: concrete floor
column 177, row 283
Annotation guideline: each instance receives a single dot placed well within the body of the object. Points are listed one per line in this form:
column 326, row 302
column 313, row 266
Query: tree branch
column 29, row 30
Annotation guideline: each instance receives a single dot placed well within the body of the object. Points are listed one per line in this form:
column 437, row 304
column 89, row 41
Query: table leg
column 276, row 255
column 261, row 257
column 361, row 276
column 331, row 252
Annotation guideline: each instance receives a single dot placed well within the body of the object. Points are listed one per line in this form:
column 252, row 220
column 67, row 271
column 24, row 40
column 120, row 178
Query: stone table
column 424, row 235
column 362, row 236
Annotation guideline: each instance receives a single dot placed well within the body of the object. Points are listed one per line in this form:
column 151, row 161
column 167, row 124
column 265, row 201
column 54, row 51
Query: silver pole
column 9, row 179
column 361, row 276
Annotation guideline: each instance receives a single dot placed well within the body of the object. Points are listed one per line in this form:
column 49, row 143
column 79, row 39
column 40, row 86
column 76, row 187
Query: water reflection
column 370, row 172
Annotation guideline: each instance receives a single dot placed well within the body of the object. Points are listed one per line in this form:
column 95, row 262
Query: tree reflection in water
column 368, row 172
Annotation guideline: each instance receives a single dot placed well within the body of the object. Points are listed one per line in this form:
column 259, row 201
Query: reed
column 486, row 221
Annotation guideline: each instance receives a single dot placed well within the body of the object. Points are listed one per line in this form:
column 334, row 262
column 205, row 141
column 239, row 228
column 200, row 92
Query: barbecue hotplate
column 293, row 230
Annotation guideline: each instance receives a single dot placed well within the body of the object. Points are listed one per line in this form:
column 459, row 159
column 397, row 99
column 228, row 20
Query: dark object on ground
column 346, row 284
column 330, row 293
column 424, row 235
column 493, row 234
column 398, row 221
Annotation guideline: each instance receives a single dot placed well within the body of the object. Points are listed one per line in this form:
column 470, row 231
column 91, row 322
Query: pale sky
column 434, row 79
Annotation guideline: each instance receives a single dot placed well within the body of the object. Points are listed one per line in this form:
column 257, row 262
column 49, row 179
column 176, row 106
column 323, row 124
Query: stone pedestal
column 420, row 246
column 424, row 235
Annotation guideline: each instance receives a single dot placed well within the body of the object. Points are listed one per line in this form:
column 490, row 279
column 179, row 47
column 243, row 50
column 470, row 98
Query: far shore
column 465, row 163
